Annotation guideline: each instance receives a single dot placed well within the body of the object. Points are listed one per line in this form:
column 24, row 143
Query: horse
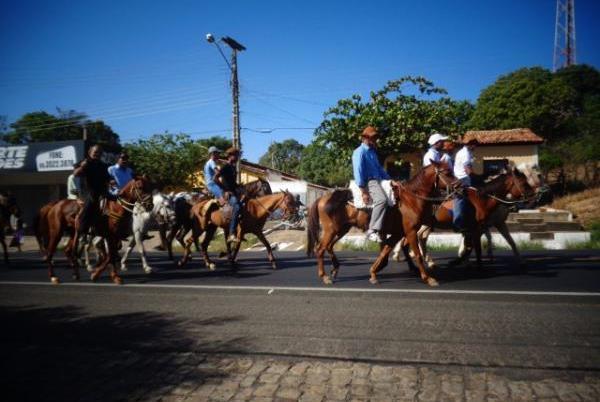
column 113, row 226
column 183, row 217
column 487, row 202
column 162, row 213
column 254, row 216
column 8, row 207
column 334, row 217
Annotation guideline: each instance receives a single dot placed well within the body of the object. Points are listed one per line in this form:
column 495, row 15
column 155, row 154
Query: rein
column 449, row 195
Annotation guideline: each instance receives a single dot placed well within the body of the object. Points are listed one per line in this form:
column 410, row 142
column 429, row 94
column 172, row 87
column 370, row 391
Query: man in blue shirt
column 210, row 170
column 368, row 174
column 121, row 173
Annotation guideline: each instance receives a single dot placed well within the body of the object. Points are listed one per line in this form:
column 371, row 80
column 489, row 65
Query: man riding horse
column 368, row 174
column 225, row 178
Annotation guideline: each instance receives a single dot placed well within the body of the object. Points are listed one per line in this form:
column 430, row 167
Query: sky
column 144, row 67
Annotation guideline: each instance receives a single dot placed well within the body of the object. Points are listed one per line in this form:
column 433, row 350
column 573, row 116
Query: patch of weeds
column 351, row 246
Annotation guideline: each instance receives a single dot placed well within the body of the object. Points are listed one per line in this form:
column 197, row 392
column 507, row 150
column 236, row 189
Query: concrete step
column 541, row 236
column 561, row 226
column 527, row 220
column 546, row 216
column 533, row 227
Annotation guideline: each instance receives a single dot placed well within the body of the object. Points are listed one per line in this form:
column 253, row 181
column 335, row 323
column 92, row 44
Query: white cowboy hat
column 436, row 137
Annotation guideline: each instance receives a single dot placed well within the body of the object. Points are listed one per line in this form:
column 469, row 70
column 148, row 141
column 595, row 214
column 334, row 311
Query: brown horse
column 113, row 224
column 254, row 216
column 336, row 217
column 184, row 218
column 485, row 201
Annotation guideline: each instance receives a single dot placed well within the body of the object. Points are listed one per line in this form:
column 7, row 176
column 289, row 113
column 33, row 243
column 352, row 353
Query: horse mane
column 416, row 181
column 337, row 199
column 495, row 185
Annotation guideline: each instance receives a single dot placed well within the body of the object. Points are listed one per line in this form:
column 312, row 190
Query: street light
column 235, row 47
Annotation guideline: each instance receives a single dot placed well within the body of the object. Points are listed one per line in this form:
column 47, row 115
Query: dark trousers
column 91, row 209
column 235, row 205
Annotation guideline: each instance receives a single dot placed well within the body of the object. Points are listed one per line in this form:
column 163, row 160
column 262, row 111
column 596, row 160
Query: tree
column 67, row 125
column 406, row 110
column 171, row 159
column 530, row 97
column 321, row 165
column 284, row 156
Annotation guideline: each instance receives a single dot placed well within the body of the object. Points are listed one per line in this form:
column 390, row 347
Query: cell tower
column 564, row 34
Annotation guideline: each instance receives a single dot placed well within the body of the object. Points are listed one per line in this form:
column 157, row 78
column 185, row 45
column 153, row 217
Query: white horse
column 162, row 213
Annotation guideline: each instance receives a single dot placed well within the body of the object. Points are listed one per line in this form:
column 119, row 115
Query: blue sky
column 144, row 67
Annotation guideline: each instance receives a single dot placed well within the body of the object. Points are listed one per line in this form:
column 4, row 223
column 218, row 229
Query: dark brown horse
column 510, row 187
column 254, row 216
column 113, row 224
column 335, row 217
column 184, row 218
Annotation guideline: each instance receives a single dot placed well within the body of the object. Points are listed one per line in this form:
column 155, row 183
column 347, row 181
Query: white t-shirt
column 448, row 159
column 463, row 159
column 432, row 154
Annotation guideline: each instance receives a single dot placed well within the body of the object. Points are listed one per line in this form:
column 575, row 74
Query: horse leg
column 320, row 248
column 503, row 229
column 137, row 237
column 54, row 236
column 477, row 246
column 334, row 260
column 382, row 259
column 130, row 247
column 208, row 236
column 411, row 238
column 169, row 240
column 113, row 257
column 422, row 235
column 5, row 249
column 490, row 245
column 265, row 242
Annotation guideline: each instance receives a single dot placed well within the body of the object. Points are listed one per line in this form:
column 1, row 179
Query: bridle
column 140, row 199
column 451, row 188
column 277, row 205
column 515, row 183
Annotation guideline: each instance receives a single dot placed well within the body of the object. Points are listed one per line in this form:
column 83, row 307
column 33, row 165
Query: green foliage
column 323, row 165
column 67, row 125
column 170, row 159
column 529, row 97
column 593, row 243
column 284, row 156
column 406, row 110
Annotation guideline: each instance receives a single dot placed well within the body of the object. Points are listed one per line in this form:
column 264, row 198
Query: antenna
column 564, row 35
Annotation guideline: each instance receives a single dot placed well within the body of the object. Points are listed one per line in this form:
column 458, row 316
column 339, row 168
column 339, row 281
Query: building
column 519, row 146
column 36, row 173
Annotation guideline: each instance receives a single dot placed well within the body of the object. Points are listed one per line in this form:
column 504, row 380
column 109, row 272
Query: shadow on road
column 64, row 354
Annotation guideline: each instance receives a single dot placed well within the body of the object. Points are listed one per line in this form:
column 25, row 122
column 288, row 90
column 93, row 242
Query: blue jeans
column 215, row 189
column 233, row 201
column 460, row 205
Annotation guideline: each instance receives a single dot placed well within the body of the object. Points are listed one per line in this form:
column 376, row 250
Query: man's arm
column 359, row 175
column 80, row 171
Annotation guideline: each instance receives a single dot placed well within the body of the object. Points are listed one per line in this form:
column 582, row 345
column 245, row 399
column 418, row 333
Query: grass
column 593, row 243
column 522, row 246
column 583, row 204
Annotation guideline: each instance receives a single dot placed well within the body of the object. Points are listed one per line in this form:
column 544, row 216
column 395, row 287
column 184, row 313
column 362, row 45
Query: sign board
column 40, row 156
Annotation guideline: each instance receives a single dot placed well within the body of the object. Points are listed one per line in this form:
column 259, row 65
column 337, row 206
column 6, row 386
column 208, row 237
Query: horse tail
column 40, row 225
column 313, row 228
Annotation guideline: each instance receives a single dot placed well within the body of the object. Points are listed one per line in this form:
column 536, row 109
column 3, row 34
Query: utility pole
column 564, row 35
column 235, row 91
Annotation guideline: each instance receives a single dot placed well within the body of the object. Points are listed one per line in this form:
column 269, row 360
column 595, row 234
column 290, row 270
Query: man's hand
column 366, row 197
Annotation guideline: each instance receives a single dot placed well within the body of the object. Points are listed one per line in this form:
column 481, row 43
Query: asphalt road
column 546, row 317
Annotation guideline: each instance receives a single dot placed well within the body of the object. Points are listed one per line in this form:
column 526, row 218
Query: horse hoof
column 75, row 277
column 117, row 280
column 432, row 282
column 334, row 274
column 373, row 281
column 146, row 270
column 327, row 280
column 124, row 268
column 89, row 268
column 211, row 266
column 274, row 266
column 94, row 276
column 54, row 280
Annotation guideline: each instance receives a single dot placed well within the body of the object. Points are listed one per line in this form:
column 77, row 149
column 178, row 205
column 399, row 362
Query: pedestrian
column 463, row 169
column 226, row 178
column 95, row 173
column 436, row 145
column 368, row 174
column 121, row 173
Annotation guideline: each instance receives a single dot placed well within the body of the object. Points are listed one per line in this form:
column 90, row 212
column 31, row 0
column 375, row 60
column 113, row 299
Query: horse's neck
column 266, row 204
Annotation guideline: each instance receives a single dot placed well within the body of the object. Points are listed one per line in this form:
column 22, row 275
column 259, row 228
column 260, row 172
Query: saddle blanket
column 357, row 194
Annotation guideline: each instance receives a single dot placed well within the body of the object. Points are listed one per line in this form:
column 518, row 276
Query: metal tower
column 564, row 34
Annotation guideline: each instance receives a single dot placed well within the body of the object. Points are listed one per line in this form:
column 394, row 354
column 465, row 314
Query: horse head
column 518, row 186
column 442, row 177
column 288, row 204
column 163, row 208
column 137, row 190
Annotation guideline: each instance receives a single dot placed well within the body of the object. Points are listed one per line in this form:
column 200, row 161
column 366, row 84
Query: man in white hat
column 436, row 144
column 210, row 170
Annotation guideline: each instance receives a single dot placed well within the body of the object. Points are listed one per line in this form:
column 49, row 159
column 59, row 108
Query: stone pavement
column 270, row 379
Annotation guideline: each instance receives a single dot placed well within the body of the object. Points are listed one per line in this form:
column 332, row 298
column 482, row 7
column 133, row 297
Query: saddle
column 214, row 205
column 357, row 195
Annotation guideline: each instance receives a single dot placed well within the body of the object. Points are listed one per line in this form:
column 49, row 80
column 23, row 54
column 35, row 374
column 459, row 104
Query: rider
column 74, row 185
column 463, row 168
column 368, row 174
column 97, row 178
column 121, row 173
column 436, row 145
column 448, row 155
column 226, row 178
column 210, row 170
